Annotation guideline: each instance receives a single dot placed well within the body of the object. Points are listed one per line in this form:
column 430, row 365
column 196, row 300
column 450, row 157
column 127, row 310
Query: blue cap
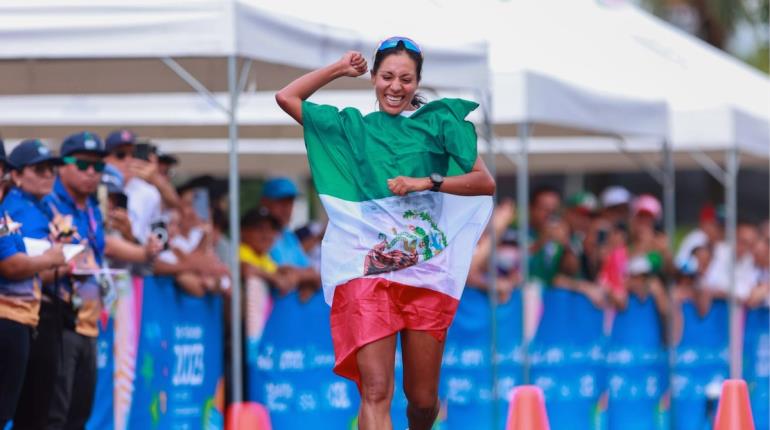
column 279, row 188
column 113, row 179
column 118, row 138
column 29, row 152
column 82, row 142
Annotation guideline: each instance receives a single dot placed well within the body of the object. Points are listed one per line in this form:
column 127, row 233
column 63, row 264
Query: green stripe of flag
column 352, row 156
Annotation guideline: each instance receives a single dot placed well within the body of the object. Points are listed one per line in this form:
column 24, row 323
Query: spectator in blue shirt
column 19, row 304
column 34, row 167
column 77, row 217
column 278, row 197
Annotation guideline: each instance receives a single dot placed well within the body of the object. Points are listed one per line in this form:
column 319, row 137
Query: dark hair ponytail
column 418, row 100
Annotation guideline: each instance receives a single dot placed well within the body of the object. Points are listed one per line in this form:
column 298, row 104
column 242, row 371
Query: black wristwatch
column 437, row 181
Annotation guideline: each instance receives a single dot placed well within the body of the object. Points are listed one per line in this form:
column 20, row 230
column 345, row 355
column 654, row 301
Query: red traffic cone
column 527, row 409
column 247, row 415
column 734, row 412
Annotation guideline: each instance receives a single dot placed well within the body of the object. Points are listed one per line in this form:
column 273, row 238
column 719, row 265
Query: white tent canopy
column 120, row 29
column 715, row 99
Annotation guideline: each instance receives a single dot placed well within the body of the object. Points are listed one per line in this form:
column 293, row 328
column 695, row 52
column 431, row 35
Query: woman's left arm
column 477, row 182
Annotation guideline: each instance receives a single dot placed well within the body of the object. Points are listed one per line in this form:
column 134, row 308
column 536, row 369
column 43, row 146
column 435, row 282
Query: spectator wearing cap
column 648, row 255
column 77, row 219
column 120, row 247
column 34, row 171
column 710, row 231
column 20, row 294
column 278, row 195
column 580, row 209
column 581, row 264
column 616, row 204
column 146, row 189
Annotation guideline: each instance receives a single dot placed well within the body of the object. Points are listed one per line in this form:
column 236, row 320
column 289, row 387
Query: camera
column 160, row 230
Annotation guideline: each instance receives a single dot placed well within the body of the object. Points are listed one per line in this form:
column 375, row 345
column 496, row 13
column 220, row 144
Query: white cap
column 615, row 195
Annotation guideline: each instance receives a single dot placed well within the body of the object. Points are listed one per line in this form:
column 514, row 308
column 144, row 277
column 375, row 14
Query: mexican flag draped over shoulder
column 424, row 239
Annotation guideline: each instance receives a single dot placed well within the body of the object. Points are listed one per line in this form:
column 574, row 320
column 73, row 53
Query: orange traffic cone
column 247, row 416
column 527, row 409
column 734, row 412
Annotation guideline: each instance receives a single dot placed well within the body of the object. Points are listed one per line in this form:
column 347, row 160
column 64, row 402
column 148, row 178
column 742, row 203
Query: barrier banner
column 102, row 413
column 701, row 362
column 637, row 369
column 756, row 364
column 567, row 357
column 110, row 357
column 179, row 380
column 293, row 374
column 466, row 381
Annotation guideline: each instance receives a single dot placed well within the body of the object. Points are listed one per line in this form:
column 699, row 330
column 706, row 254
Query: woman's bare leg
column 376, row 362
column 422, row 365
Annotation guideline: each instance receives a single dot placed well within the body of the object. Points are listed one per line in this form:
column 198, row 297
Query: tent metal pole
column 731, row 206
column 243, row 80
column 486, row 103
column 193, row 82
column 657, row 174
column 235, row 234
column 522, row 197
column 669, row 220
column 710, row 166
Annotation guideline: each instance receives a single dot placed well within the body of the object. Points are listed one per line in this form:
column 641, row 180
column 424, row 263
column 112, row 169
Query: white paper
column 36, row 247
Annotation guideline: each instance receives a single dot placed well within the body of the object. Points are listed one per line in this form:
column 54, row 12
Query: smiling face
column 395, row 83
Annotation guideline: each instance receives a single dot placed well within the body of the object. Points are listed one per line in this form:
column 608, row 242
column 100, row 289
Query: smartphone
column 142, row 151
column 201, row 204
column 119, row 200
column 160, row 231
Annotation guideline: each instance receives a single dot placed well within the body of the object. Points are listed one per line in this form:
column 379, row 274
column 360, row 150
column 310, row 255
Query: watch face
column 435, row 177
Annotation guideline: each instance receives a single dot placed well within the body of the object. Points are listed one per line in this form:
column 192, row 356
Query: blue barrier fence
column 591, row 379
column 172, row 377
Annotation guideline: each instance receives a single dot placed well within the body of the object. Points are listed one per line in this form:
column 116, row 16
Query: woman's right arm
column 290, row 98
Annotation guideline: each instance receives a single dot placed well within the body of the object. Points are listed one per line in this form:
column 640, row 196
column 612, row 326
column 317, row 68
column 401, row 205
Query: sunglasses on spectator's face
column 43, row 169
column 392, row 42
column 120, row 155
column 83, row 165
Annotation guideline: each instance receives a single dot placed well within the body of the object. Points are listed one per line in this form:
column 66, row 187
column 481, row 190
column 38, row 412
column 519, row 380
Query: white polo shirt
column 144, row 207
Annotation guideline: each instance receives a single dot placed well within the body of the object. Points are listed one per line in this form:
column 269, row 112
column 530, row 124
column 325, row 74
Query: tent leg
column 489, row 137
column 669, row 219
column 235, row 235
column 522, row 214
column 731, row 207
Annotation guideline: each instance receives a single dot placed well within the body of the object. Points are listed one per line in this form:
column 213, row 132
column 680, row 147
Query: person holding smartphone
column 147, row 190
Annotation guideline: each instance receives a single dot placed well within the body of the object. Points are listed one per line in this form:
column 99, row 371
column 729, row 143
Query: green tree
column 716, row 19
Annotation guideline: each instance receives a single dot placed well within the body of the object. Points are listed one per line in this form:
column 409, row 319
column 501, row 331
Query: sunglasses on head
column 392, row 42
column 83, row 165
